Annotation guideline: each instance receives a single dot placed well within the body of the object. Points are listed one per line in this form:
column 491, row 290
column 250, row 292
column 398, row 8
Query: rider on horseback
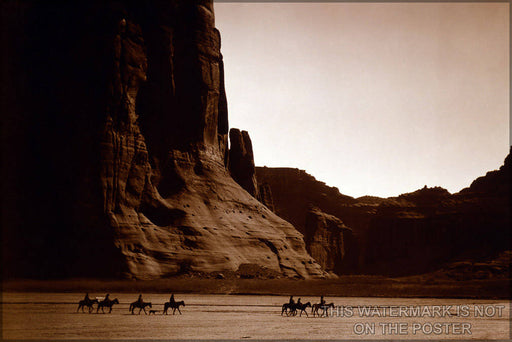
column 322, row 301
column 139, row 300
column 291, row 302
column 171, row 300
column 86, row 298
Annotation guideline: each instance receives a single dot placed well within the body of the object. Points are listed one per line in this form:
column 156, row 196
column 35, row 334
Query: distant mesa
column 413, row 233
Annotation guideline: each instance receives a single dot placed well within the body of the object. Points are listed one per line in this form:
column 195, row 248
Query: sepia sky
column 373, row 98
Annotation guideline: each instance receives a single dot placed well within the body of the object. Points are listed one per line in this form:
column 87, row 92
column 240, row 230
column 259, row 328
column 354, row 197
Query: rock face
column 242, row 169
column 413, row 233
column 119, row 131
column 294, row 191
column 327, row 241
column 420, row 231
column 241, row 161
column 265, row 195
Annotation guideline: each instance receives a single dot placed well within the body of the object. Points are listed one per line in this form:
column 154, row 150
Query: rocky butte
column 116, row 148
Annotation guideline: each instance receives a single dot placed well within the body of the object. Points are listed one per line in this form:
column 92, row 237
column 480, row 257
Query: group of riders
column 292, row 307
column 139, row 303
column 106, row 302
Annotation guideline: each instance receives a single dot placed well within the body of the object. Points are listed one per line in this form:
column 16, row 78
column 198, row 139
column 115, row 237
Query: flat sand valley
column 54, row 316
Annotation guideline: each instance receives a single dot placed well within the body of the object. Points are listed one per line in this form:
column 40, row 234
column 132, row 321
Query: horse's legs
column 110, row 311
column 143, row 308
column 179, row 310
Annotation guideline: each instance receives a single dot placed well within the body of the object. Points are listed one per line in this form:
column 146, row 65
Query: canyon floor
column 29, row 315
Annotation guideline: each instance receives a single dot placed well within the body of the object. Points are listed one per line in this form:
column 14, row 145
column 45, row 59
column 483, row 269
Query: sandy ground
column 54, row 316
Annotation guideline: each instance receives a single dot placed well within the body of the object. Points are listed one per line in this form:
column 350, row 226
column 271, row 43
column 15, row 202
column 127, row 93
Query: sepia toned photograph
column 239, row 170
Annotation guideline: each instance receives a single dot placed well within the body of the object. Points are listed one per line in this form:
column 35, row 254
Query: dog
column 153, row 312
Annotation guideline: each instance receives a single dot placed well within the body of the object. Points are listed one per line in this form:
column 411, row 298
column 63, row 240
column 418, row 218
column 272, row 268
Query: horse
column 86, row 302
column 301, row 307
column 141, row 306
column 175, row 306
column 286, row 307
column 324, row 307
column 106, row 303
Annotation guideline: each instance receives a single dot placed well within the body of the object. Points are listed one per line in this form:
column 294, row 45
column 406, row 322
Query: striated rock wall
column 120, row 148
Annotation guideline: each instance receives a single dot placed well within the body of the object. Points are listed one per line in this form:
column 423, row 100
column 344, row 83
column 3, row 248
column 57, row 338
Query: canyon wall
column 117, row 135
column 413, row 233
column 330, row 242
column 315, row 210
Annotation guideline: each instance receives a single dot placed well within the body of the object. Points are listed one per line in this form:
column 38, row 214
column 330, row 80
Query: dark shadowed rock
column 294, row 191
column 119, row 148
column 265, row 195
column 330, row 242
column 241, row 161
column 413, row 233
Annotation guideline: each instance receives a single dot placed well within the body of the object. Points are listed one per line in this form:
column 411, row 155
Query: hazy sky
column 375, row 99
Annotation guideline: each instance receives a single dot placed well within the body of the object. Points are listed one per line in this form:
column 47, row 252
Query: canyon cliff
column 413, row 233
column 330, row 242
column 116, row 148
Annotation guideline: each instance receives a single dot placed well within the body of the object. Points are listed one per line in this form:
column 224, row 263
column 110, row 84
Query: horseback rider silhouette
column 140, row 301
column 171, row 300
column 106, row 297
column 322, row 301
column 86, row 298
column 291, row 302
column 298, row 302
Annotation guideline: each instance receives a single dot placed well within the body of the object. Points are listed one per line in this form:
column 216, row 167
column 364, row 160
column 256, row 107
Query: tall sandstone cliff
column 413, row 233
column 115, row 147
